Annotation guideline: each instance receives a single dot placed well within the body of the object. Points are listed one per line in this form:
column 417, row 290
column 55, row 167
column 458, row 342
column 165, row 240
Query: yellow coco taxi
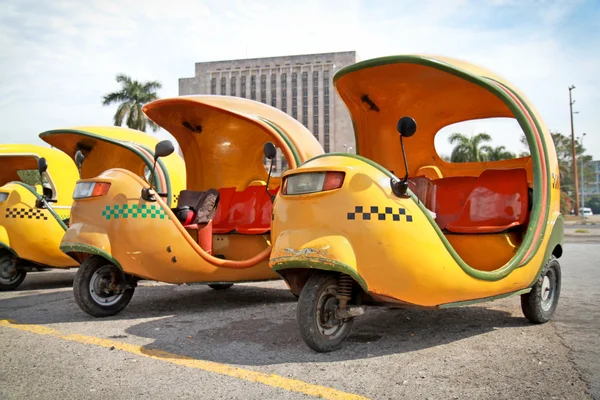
column 218, row 230
column 348, row 231
column 35, row 202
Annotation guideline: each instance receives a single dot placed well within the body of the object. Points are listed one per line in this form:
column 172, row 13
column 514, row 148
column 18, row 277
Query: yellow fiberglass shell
column 34, row 234
column 223, row 149
column 412, row 261
column 107, row 147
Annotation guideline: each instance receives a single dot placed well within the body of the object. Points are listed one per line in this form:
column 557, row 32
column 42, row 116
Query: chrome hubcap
column 8, row 272
column 103, row 289
column 548, row 290
column 328, row 325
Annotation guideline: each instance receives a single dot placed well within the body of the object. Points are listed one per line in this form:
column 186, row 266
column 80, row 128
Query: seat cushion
column 498, row 201
column 221, row 221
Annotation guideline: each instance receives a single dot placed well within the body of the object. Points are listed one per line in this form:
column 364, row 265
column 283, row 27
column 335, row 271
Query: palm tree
column 497, row 153
column 132, row 97
column 468, row 149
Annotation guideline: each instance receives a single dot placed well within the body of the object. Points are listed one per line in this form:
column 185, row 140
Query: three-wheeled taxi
column 396, row 224
column 35, row 200
column 218, row 231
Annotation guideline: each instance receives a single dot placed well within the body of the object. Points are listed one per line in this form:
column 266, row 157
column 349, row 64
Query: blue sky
column 59, row 57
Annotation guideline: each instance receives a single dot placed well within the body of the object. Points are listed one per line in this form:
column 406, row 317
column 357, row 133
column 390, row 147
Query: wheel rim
column 102, row 290
column 548, row 290
column 8, row 273
column 329, row 327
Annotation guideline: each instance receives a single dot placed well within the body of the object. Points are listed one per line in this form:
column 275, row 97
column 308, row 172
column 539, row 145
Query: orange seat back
column 451, row 194
column 498, row 202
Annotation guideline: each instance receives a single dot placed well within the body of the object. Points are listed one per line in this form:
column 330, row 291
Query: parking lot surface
column 191, row 341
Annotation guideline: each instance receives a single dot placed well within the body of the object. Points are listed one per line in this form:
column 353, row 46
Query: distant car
column 585, row 211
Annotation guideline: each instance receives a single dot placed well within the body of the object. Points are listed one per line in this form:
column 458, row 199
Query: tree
column 131, row 98
column 468, row 149
column 497, row 153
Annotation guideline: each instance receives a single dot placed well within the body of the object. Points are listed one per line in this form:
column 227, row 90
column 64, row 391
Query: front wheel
column 315, row 314
column 10, row 276
column 100, row 288
column 539, row 305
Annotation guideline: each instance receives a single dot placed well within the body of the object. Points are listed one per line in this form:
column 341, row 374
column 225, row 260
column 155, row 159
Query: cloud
column 59, row 58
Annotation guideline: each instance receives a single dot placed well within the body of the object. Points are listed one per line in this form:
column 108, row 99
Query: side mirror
column 42, row 165
column 406, row 126
column 270, row 151
column 79, row 157
column 163, row 148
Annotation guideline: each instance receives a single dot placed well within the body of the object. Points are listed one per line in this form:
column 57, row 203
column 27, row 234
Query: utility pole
column 575, row 175
column 582, row 181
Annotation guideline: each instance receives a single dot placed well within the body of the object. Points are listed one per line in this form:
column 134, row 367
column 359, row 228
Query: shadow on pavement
column 255, row 325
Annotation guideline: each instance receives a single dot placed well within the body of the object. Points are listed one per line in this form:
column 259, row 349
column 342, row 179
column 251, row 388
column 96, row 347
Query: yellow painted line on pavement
column 292, row 385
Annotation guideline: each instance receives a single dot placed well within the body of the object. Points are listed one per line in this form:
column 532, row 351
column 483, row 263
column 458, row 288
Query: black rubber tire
column 83, row 297
column 5, row 258
column 306, row 314
column 531, row 303
column 220, row 286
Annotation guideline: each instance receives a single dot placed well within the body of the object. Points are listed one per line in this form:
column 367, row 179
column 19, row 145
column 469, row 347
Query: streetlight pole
column 348, row 148
column 582, row 181
column 575, row 176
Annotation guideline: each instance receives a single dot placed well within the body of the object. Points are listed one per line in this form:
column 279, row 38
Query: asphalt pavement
column 242, row 343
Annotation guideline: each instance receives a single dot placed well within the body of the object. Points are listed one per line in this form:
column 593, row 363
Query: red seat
column 498, row 202
column 220, row 221
column 451, row 194
column 261, row 221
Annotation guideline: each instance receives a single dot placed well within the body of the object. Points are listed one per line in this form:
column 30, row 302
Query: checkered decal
column 26, row 213
column 134, row 211
column 374, row 213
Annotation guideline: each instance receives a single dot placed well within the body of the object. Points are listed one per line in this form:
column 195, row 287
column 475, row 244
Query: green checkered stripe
column 134, row 211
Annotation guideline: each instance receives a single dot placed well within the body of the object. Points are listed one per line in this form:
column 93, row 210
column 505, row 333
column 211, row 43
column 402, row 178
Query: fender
column 82, row 238
column 315, row 249
column 5, row 241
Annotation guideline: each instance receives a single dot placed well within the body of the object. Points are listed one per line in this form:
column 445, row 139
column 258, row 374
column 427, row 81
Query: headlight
column 3, row 196
column 90, row 189
column 313, row 182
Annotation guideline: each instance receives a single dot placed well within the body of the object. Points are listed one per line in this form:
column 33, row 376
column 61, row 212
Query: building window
column 253, row 87
column 316, row 104
column 326, row 110
column 243, row 86
column 213, row 86
column 295, row 95
column 232, row 88
column 223, row 83
column 263, row 89
column 284, row 93
column 305, row 99
column 273, row 90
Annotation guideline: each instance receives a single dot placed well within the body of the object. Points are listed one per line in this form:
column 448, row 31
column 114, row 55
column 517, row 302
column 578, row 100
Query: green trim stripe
column 50, row 209
column 317, row 263
column 87, row 249
column 134, row 211
column 485, row 299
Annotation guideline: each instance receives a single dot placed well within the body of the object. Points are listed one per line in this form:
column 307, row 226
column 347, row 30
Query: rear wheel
column 100, row 288
column 220, row 286
column 10, row 276
column 315, row 314
column 539, row 304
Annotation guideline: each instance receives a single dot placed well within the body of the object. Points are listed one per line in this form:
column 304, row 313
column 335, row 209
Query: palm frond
column 122, row 110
